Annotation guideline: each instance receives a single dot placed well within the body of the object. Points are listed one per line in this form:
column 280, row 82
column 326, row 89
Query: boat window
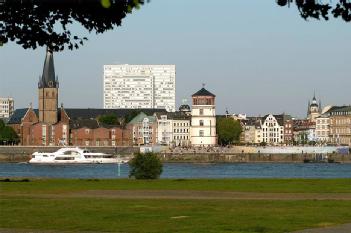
column 33, row 156
column 64, row 158
column 70, row 152
column 45, row 156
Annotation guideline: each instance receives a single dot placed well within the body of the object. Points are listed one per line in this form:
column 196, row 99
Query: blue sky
column 257, row 58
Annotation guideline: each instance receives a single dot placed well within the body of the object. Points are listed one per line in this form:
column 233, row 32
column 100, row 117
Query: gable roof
column 18, row 114
column 203, row 92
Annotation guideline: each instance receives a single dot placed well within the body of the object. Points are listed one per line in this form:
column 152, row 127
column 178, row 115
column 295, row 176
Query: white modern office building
column 139, row 86
column 6, row 107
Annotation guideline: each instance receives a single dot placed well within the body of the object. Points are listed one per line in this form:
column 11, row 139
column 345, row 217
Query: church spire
column 48, row 78
column 308, row 108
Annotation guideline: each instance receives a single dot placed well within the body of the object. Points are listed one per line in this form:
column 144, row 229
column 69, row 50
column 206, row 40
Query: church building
column 50, row 125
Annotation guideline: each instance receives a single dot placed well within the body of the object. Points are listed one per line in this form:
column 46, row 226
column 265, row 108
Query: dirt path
column 346, row 228
column 190, row 194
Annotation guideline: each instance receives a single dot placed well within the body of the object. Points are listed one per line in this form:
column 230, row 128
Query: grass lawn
column 23, row 205
column 36, row 186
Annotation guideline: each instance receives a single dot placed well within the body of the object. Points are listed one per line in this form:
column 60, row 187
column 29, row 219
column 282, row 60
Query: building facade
column 340, row 125
column 272, row 130
column 304, row 131
column 140, row 86
column 144, row 129
column 322, row 129
column 7, row 106
column 203, row 119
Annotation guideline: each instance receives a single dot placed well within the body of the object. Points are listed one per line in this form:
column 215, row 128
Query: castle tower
column 203, row 119
column 48, row 91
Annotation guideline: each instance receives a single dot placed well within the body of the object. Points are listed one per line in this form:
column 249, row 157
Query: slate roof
column 48, row 77
column 92, row 113
column 174, row 115
column 18, row 114
column 184, row 107
column 83, row 114
column 281, row 118
column 343, row 109
column 82, row 123
column 203, row 92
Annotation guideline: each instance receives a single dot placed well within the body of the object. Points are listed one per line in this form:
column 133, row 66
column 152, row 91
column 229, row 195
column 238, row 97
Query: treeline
column 7, row 135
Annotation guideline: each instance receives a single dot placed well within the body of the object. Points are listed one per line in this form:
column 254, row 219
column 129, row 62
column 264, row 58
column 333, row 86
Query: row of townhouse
column 268, row 129
column 334, row 126
column 331, row 127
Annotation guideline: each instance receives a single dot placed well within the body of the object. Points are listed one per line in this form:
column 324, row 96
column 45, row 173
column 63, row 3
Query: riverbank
column 173, row 205
column 232, row 155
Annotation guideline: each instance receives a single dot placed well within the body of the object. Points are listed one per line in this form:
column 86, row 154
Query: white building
column 6, row 107
column 322, row 129
column 139, row 86
column 272, row 130
column 173, row 129
column 203, row 119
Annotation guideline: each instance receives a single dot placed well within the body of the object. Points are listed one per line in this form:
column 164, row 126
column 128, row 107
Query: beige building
column 6, row 107
column 340, row 125
column 322, row 129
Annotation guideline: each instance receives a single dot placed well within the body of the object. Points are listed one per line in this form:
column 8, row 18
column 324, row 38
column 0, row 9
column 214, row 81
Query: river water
column 182, row 170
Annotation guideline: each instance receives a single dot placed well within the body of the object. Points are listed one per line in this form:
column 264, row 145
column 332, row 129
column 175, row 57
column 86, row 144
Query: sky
column 255, row 56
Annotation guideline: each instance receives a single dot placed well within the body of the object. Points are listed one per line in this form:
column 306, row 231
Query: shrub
column 145, row 166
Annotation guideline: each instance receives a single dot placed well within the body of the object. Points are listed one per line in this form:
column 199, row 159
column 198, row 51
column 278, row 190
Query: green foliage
column 263, row 144
column 131, row 115
column 109, row 119
column 228, row 130
column 7, row 134
column 145, row 166
column 2, row 124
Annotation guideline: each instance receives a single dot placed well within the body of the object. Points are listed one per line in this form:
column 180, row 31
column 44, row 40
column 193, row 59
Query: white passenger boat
column 74, row 155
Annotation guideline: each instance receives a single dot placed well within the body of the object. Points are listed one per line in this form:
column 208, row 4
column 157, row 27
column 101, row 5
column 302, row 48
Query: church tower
column 314, row 109
column 48, row 91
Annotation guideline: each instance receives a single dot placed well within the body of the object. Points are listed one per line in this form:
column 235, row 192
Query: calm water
column 186, row 170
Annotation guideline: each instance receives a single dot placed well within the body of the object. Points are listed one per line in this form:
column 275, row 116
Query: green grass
column 21, row 206
column 115, row 215
column 36, row 186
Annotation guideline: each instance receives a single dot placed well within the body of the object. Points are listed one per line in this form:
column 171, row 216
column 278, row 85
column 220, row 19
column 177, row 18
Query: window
column 201, row 111
column 201, row 133
column 201, row 122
